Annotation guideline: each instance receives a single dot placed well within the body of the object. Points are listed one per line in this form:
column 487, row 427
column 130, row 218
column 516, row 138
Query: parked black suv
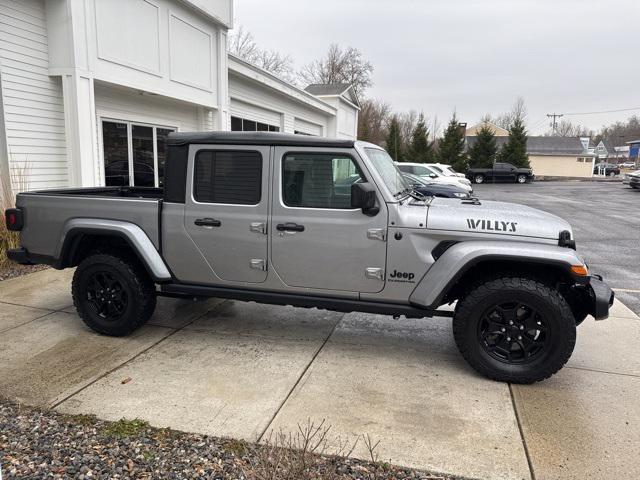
column 501, row 172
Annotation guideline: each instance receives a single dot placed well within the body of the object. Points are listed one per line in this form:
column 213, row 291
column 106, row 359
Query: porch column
column 81, row 131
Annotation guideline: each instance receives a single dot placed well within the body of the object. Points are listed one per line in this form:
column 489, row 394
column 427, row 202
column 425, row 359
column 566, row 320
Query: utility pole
column 554, row 124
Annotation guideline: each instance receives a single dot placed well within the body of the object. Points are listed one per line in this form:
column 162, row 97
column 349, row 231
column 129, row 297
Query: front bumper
column 601, row 297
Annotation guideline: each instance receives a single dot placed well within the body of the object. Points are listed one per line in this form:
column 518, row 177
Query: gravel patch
column 38, row 443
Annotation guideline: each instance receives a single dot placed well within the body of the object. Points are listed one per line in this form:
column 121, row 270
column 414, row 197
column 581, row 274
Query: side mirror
column 363, row 196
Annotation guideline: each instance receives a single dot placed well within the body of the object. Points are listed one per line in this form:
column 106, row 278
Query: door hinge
column 374, row 272
column 377, row 234
column 259, row 264
column 258, row 227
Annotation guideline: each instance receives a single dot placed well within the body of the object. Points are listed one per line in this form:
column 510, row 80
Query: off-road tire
column 478, row 179
column 552, row 306
column 136, row 286
column 521, row 179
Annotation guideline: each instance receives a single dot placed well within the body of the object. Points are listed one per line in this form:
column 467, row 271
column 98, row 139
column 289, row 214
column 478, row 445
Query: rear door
column 227, row 209
column 318, row 241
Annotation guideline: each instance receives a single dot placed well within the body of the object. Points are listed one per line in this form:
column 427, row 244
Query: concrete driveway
column 244, row 370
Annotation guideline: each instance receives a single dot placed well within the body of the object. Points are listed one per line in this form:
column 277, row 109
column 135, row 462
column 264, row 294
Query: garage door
column 308, row 128
column 251, row 112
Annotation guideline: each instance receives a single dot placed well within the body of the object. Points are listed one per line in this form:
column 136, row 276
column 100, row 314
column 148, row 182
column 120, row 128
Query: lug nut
column 519, row 337
column 521, row 327
column 510, row 322
column 508, row 339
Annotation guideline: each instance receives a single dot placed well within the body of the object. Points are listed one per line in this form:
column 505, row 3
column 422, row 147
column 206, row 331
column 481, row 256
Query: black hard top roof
column 255, row 138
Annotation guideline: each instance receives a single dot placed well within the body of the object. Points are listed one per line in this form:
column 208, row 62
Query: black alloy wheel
column 512, row 332
column 106, row 295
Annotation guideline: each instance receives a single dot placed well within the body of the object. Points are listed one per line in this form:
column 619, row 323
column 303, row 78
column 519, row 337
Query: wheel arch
column 464, row 263
column 82, row 236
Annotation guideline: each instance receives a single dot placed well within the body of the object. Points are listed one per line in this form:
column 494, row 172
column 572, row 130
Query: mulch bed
column 12, row 270
column 36, row 443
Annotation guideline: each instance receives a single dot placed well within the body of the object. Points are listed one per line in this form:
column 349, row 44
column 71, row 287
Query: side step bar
column 295, row 300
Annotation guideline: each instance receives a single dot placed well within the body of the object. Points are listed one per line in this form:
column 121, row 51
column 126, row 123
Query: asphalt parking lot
column 605, row 217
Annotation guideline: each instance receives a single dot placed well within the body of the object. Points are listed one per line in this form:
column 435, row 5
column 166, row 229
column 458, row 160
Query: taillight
column 13, row 219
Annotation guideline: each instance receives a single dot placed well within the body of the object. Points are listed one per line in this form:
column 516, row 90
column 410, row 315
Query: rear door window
column 231, row 177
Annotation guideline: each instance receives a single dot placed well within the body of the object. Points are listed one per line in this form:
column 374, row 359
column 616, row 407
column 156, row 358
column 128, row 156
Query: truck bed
column 48, row 212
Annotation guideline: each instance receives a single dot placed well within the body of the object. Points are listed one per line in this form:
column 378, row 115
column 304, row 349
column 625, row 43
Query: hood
column 487, row 217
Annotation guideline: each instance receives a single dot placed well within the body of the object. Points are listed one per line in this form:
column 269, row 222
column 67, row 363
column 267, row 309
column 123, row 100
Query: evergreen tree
column 420, row 148
column 394, row 140
column 515, row 150
column 451, row 147
column 483, row 152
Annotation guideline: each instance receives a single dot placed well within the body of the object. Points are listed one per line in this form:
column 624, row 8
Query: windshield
column 385, row 167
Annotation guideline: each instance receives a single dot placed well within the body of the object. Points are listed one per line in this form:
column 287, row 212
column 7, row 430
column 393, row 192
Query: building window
column 243, row 125
column 232, row 177
column 134, row 154
column 317, row 180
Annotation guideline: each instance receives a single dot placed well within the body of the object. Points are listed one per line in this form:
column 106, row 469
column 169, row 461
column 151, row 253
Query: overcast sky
column 474, row 56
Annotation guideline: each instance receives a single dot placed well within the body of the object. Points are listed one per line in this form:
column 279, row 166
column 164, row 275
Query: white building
column 89, row 89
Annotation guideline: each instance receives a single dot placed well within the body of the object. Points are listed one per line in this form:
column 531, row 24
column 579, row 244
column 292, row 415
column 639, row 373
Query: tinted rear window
column 232, row 177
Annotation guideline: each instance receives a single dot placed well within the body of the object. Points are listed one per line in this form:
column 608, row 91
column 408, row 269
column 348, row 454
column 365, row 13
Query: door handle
column 289, row 227
column 207, row 222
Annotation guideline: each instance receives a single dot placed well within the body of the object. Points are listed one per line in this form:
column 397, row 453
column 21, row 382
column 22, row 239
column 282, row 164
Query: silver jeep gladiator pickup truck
column 314, row 222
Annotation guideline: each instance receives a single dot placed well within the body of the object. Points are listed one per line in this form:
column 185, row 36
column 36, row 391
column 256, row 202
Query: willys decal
column 491, row 225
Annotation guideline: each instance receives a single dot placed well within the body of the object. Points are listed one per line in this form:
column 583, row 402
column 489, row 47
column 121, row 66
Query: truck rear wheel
column 522, row 179
column 113, row 295
column 478, row 178
column 514, row 329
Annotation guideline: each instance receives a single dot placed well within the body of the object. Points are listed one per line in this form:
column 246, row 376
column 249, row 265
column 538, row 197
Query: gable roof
column 542, row 145
column 333, row 90
column 497, row 131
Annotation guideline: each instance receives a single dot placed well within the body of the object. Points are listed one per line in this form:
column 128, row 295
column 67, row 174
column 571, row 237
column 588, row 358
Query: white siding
column 33, row 107
column 126, row 104
column 254, row 93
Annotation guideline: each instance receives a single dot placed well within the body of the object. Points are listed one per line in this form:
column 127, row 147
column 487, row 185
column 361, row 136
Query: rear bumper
column 19, row 255
column 23, row 257
column 601, row 296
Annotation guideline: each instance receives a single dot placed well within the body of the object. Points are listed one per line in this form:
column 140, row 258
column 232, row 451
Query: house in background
column 497, row 131
column 89, row 89
column 551, row 156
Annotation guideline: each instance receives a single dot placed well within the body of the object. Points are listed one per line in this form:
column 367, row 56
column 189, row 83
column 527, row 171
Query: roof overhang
column 240, row 67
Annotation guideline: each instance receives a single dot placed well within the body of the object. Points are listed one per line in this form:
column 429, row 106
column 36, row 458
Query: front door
column 226, row 211
column 318, row 241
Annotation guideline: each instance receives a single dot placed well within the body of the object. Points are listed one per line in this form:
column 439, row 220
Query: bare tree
column 243, row 45
column 620, row 132
column 340, row 66
column 566, row 128
column 373, row 120
column 408, row 121
column 505, row 120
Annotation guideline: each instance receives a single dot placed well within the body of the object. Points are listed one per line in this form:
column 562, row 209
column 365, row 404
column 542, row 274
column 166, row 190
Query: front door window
column 134, row 154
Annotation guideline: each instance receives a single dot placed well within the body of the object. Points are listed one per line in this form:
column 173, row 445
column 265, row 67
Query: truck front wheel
column 478, row 178
column 113, row 295
column 514, row 329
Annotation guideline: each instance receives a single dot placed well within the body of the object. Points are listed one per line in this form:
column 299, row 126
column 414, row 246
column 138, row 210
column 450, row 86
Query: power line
column 603, row 111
